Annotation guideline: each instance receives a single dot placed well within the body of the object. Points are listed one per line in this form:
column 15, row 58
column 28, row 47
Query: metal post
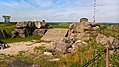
column 94, row 16
column 107, row 58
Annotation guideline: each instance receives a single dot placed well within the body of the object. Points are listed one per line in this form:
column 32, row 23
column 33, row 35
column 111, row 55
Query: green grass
column 83, row 55
column 65, row 26
column 7, row 27
column 20, row 39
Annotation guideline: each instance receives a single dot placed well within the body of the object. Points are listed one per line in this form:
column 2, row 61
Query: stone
column 31, row 24
column 111, row 40
column 48, row 53
column 102, row 39
column 14, row 34
column 82, row 27
column 27, row 28
column 21, row 32
column 2, row 45
column 40, row 24
column 54, row 34
column 70, row 50
column 21, row 25
column 116, row 43
column 40, row 32
column 82, row 36
column 83, row 20
column 107, row 40
column 53, row 60
column 78, row 44
column 96, row 28
column 60, row 46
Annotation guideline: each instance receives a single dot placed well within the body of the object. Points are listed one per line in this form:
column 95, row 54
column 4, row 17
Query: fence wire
column 98, row 56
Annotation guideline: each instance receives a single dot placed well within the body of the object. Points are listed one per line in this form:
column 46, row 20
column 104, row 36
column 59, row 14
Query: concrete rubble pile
column 64, row 46
column 76, row 36
column 81, row 29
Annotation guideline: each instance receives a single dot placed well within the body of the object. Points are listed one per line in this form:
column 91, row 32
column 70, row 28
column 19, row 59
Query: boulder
column 102, row 39
column 3, row 45
column 107, row 40
column 54, row 34
column 82, row 36
column 21, row 25
column 116, row 43
column 27, row 28
column 82, row 27
column 14, row 34
column 31, row 24
column 60, row 46
column 22, row 32
column 83, row 20
column 82, row 30
column 40, row 32
column 25, row 24
column 111, row 40
column 39, row 24
column 64, row 46
column 78, row 44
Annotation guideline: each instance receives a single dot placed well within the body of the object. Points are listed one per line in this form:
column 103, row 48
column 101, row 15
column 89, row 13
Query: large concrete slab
column 54, row 34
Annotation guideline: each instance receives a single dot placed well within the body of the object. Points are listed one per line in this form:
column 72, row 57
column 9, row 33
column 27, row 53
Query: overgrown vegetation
column 19, row 39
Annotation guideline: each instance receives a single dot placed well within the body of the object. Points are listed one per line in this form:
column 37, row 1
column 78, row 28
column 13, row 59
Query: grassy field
column 7, row 27
column 58, row 25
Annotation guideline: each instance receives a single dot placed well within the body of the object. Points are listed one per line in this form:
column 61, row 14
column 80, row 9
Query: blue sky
column 59, row 10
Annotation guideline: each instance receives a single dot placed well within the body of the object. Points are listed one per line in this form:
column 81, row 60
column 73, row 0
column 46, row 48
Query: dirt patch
column 19, row 46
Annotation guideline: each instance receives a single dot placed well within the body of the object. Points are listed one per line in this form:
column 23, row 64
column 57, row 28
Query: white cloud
column 62, row 10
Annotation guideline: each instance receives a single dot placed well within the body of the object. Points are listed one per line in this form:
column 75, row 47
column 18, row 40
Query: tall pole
column 94, row 16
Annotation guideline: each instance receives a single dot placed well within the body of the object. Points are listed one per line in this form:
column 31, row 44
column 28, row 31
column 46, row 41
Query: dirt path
column 19, row 46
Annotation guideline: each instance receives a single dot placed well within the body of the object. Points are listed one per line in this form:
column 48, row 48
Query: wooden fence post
column 107, row 57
